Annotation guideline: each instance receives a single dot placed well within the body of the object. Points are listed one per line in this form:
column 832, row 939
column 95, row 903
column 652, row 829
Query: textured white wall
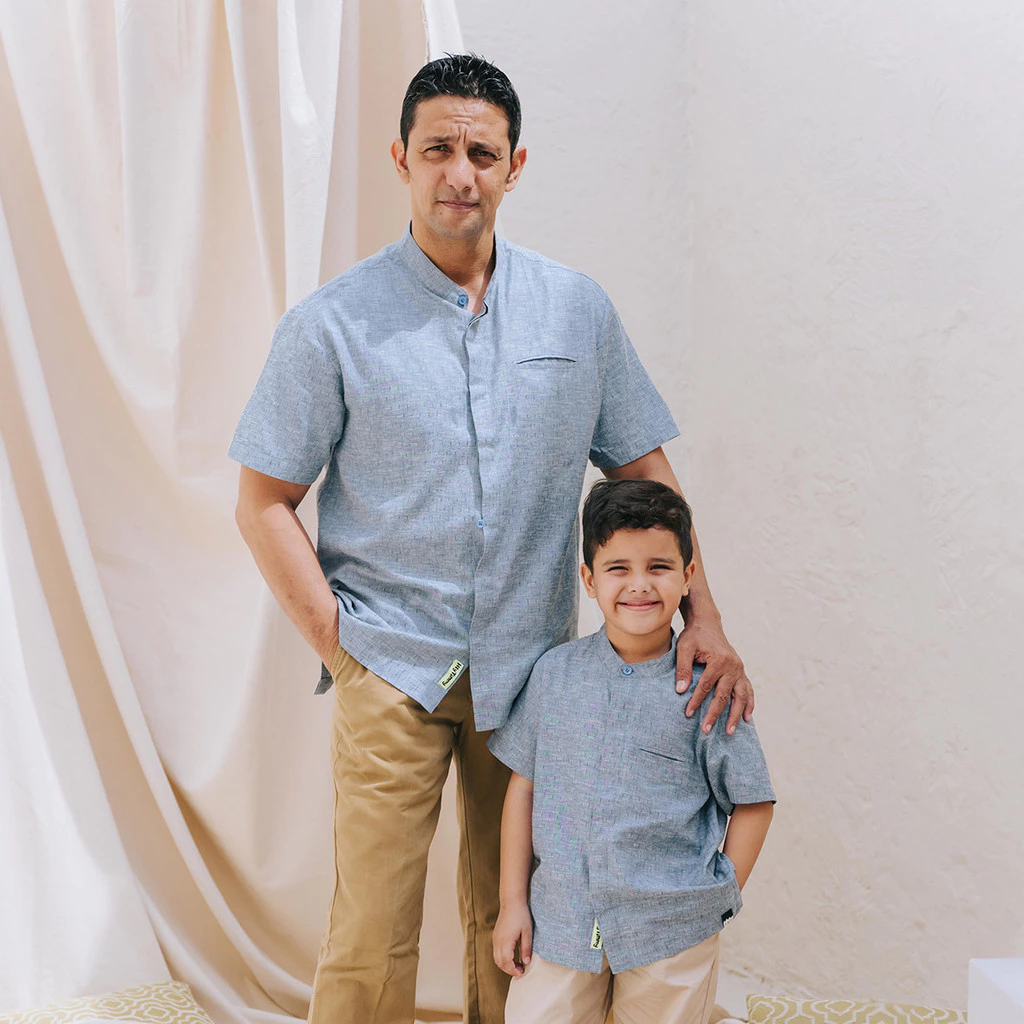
column 811, row 219
column 858, row 459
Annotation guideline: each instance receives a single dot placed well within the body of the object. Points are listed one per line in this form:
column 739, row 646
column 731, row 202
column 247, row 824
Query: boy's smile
column 638, row 579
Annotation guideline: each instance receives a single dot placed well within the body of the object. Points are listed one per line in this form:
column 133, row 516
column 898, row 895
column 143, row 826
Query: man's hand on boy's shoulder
column 723, row 673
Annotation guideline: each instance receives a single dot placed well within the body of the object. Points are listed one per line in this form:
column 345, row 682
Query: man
column 454, row 385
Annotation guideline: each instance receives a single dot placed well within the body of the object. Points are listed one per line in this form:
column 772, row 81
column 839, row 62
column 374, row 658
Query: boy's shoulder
column 570, row 655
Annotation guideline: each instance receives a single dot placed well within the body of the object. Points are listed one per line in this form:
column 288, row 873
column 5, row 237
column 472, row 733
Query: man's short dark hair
column 467, row 75
column 633, row 505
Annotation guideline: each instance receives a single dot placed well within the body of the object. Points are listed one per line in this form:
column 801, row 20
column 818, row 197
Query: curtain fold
column 172, row 177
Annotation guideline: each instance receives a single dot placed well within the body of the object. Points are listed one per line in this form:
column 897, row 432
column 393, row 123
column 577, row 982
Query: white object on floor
column 995, row 991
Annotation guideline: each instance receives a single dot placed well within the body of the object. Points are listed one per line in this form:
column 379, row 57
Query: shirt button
column 462, row 300
column 479, row 522
column 627, row 670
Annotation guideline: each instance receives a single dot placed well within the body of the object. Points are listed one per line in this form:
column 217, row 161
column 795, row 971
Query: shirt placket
column 606, row 775
column 479, row 360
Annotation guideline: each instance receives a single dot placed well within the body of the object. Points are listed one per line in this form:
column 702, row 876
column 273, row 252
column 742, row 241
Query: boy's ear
column 588, row 579
column 687, row 576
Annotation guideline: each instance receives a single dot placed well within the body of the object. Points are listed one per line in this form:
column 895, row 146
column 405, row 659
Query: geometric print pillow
column 168, row 1002
column 782, row 1010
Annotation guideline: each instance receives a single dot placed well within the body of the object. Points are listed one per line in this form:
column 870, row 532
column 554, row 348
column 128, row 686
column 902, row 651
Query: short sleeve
column 296, row 413
column 515, row 742
column 634, row 418
column 735, row 765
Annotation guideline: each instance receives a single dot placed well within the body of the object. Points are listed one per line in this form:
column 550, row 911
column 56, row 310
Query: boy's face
column 638, row 579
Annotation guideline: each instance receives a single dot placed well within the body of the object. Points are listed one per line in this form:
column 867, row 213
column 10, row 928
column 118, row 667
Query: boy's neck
column 633, row 649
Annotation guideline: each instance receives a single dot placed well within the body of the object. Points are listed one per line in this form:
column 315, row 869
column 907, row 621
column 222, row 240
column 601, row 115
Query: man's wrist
column 697, row 612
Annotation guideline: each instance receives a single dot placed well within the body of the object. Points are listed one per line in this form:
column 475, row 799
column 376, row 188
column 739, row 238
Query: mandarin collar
column 654, row 667
column 433, row 279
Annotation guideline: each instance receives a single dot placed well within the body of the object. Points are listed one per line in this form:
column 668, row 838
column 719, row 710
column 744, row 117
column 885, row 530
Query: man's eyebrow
column 474, row 144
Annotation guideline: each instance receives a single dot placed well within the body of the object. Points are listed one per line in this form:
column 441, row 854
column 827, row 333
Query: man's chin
column 459, row 227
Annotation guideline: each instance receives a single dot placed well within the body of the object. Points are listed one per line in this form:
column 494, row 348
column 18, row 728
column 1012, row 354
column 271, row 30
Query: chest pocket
column 664, row 742
column 547, row 381
column 667, row 767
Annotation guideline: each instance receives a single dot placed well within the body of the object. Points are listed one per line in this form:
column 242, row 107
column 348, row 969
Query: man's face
column 458, row 166
column 638, row 578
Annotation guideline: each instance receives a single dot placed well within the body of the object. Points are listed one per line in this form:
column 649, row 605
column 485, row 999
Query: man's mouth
column 456, row 204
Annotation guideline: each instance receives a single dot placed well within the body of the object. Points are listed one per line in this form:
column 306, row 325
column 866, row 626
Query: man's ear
column 516, row 168
column 398, row 154
column 588, row 580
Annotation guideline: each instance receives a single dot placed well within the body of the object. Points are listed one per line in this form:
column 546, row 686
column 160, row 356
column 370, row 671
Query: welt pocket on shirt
column 667, row 755
column 546, row 361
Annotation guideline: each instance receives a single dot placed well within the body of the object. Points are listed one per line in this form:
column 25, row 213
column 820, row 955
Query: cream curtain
column 172, row 176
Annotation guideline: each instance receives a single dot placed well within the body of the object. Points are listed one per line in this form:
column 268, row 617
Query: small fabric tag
column 454, row 671
column 595, row 937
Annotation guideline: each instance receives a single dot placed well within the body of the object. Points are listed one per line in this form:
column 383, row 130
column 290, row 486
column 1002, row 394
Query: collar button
column 627, row 670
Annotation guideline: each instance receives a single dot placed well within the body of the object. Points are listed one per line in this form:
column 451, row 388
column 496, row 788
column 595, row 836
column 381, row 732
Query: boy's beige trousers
column 677, row 990
column 390, row 758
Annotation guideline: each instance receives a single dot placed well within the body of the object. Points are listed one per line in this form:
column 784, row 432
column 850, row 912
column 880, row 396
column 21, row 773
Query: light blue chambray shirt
column 630, row 803
column 455, row 448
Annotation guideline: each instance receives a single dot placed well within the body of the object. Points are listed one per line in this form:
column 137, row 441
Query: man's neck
column 467, row 262
column 633, row 649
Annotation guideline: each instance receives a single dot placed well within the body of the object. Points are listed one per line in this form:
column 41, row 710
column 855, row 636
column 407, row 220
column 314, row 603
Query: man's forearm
column 285, row 557
column 698, row 604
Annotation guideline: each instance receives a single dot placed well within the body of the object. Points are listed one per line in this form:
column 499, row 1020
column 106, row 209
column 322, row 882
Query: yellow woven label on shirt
column 595, row 937
column 454, row 671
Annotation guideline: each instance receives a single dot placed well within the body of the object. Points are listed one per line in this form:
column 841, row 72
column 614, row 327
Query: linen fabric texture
column 630, row 804
column 456, row 446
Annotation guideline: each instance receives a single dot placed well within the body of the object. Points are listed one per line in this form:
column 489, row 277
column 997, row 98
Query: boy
column 618, row 802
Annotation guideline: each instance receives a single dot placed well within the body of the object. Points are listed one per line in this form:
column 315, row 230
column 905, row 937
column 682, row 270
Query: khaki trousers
column 390, row 759
column 677, row 990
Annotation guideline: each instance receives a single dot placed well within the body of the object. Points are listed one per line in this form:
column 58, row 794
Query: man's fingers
column 742, row 701
column 684, row 663
column 735, row 711
column 703, row 688
column 718, row 705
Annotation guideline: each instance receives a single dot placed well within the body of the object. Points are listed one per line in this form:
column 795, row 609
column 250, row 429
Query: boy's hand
column 513, row 927
column 723, row 673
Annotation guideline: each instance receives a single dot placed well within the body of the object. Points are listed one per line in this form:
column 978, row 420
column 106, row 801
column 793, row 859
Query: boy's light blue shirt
column 630, row 804
column 455, row 448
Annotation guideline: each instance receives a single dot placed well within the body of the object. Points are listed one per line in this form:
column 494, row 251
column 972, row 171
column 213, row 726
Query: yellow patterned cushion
column 783, row 1010
column 169, row 1002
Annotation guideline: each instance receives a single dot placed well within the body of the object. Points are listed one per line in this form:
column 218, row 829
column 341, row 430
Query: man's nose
column 460, row 172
